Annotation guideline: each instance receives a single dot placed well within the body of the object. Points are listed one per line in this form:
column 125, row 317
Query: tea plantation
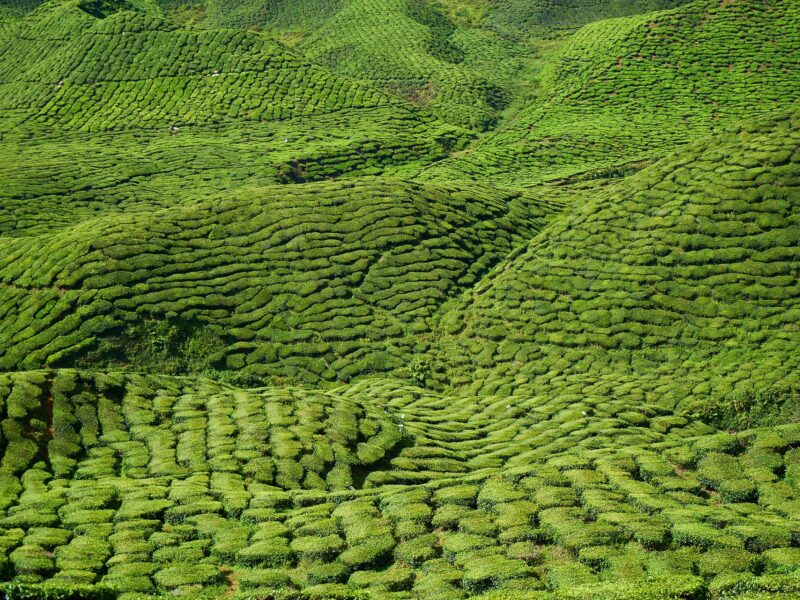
column 400, row 299
column 626, row 90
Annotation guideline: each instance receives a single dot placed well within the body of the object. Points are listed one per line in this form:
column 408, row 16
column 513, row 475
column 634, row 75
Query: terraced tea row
column 129, row 112
column 132, row 70
column 551, row 18
column 67, row 178
column 330, row 282
column 149, row 484
column 558, row 363
column 288, row 438
column 409, row 48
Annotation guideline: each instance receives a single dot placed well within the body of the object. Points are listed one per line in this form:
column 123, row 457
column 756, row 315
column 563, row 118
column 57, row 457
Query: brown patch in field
column 424, row 95
column 233, row 583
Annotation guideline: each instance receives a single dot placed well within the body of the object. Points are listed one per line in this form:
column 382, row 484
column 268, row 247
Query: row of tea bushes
column 127, row 492
column 333, row 281
column 679, row 282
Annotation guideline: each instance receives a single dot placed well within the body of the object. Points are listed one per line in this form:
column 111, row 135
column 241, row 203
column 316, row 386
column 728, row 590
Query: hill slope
column 687, row 270
column 325, row 281
column 129, row 112
column 632, row 89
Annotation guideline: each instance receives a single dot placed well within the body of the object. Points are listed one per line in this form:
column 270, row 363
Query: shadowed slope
column 323, row 281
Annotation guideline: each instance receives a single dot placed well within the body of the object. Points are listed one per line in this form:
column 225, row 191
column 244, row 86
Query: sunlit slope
column 549, row 18
column 416, row 49
column 299, row 15
column 158, row 485
column 635, row 88
column 62, row 179
column 681, row 282
column 278, row 322
column 320, row 281
column 67, row 69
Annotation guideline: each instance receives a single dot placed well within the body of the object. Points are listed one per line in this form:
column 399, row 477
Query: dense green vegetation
column 400, row 299
column 324, row 281
column 686, row 269
column 629, row 89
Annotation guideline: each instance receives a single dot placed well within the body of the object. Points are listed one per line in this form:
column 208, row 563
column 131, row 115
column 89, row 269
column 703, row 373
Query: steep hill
column 681, row 282
column 632, row 89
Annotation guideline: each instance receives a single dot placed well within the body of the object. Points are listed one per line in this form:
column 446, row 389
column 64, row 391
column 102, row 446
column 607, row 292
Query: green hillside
column 555, row 17
column 688, row 267
column 631, row 89
column 131, row 113
column 320, row 282
column 399, row 299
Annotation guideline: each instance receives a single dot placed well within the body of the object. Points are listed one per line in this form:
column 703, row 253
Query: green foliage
column 273, row 325
column 16, row 591
column 743, row 409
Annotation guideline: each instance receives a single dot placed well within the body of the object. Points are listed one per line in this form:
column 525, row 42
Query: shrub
column 497, row 491
column 393, row 579
column 56, row 591
column 674, row 588
column 142, row 509
column 369, row 553
column 464, row 495
column 47, row 537
column 417, row 550
column 760, row 537
column 732, row 584
column 481, row 574
column 270, row 529
column 456, row 543
column 723, row 560
column 704, row 536
column 781, row 560
column 319, row 573
column 183, row 574
column 317, row 548
column 32, row 559
column 272, row 552
column 263, row 578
